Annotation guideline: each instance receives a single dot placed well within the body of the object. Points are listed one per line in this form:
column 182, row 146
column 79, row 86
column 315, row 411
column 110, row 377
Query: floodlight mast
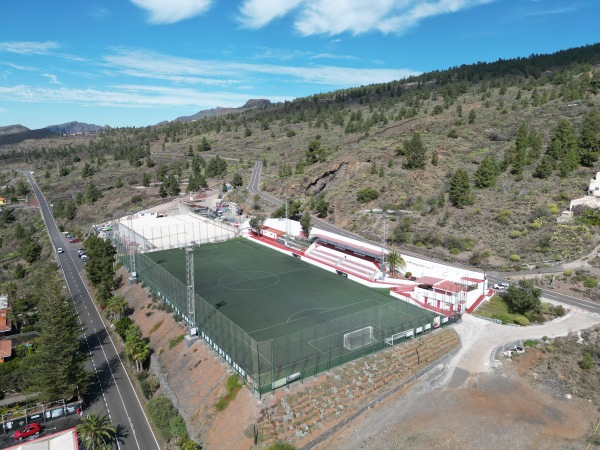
column 191, row 295
column 286, row 221
column 132, row 246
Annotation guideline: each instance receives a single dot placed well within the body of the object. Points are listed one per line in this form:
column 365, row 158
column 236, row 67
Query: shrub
column 559, row 311
column 122, row 326
column 176, row 340
column 521, row 320
column 366, row 195
column 233, row 386
column 590, row 282
column 504, row 216
column 587, row 362
column 535, row 225
column 515, row 234
column 515, row 257
column 503, row 317
column 553, row 208
column 146, row 389
column 279, row 445
column 568, row 272
column 161, row 411
column 408, row 274
column 531, row 343
column 177, row 427
column 535, row 316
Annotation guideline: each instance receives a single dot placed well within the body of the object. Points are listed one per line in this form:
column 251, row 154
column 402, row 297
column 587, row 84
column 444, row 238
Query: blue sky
column 139, row 62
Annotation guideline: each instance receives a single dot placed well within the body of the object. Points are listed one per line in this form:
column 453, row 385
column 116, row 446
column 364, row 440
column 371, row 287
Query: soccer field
column 277, row 316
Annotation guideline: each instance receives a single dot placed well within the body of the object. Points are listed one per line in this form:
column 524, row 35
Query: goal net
column 359, row 338
column 395, row 337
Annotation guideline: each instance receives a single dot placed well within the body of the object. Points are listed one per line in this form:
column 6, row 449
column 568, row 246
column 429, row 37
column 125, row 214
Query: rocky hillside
column 476, row 161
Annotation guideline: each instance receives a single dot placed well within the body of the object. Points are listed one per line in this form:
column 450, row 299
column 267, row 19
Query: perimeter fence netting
column 275, row 362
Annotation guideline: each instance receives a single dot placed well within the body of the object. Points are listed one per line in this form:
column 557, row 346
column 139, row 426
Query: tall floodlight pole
column 286, row 221
column 383, row 242
column 189, row 266
column 132, row 246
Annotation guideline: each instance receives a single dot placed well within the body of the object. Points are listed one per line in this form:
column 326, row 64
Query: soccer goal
column 359, row 338
column 395, row 337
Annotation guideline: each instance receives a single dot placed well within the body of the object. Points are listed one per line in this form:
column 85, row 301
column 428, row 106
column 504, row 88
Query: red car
column 72, row 241
column 33, row 429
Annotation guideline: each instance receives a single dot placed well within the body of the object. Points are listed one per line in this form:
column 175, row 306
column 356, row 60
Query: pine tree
column 589, row 139
column 472, row 116
column 545, row 168
column 415, row 152
column 534, row 142
column 305, row 223
column 485, row 175
column 58, row 366
column 434, row 158
column 460, row 189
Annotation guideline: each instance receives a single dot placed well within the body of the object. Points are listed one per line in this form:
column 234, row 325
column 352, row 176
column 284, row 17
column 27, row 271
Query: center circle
column 250, row 280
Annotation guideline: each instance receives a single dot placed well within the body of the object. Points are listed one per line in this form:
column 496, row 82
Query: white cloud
column 18, row 67
column 52, row 78
column 135, row 96
column 28, row 48
column 171, row 11
column 258, row 13
column 164, row 67
column 354, row 16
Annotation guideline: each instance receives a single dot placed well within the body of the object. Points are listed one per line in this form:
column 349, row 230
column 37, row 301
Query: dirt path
column 467, row 403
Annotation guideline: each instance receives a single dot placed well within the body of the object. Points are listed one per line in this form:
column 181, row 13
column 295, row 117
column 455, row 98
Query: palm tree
column 96, row 431
column 116, row 307
column 395, row 261
column 138, row 351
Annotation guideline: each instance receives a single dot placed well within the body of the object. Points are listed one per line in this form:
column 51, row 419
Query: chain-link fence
column 272, row 363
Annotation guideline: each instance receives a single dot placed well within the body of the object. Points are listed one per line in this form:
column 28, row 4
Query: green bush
column 587, row 362
column 233, row 386
column 505, row 318
column 161, row 411
column 176, row 340
column 590, row 282
column 122, row 326
column 531, row 343
column 177, row 427
column 279, row 445
column 515, row 234
column 568, row 272
column 521, row 320
column 366, row 195
column 515, row 257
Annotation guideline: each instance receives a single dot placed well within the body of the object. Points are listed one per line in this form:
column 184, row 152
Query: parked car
column 505, row 285
column 69, row 236
column 72, row 241
column 33, row 429
column 498, row 286
column 59, row 250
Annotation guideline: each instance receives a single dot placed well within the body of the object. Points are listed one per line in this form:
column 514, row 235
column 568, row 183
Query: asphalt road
column 254, row 187
column 112, row 392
